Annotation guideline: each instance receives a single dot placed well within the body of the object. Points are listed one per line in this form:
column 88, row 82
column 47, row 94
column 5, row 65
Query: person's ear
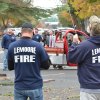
column 90, row 27
column 90, row 30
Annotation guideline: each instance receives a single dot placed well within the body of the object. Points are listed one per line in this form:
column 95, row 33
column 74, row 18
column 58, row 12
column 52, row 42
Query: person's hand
column 76, row 39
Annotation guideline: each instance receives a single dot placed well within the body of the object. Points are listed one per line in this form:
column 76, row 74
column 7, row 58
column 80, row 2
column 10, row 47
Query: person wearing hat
column 27, row 57
column 7, row 38
column 87, row 55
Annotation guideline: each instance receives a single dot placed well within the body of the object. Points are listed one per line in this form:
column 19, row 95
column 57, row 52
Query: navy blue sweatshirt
column 87, row 56
column 6, row 40
column 37, row 37
column 26, row 57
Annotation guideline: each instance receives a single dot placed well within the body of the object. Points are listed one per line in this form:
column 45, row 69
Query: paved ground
column 58, row 85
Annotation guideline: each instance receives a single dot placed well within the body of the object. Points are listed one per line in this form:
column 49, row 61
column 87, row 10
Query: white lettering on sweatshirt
column 95, row 56
column 24, row 58
column 95, row 51
column 24, row 49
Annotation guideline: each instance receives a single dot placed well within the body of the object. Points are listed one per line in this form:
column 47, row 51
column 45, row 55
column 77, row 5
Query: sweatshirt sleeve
column 77, row 53
column 3, row 42
column 45, row 62
column 10, row 59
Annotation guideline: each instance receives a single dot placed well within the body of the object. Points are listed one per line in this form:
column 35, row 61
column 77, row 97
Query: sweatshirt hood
column 94, row 39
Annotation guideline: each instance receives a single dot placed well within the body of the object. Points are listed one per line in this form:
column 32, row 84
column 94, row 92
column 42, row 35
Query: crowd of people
column 27, row 56
column 47, row 38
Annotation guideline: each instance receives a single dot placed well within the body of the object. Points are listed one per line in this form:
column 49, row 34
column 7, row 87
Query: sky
column 46, row 4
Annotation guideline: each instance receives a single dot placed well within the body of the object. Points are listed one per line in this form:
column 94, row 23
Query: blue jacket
column 87, row 56
column 6, row 40
column 37, row 37
column 26, row 57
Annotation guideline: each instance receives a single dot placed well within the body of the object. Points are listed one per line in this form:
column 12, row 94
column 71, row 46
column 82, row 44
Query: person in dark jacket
column 70, row 39
column 37, row 37
column 27, row 57
column 87, row 55
column 8, row 38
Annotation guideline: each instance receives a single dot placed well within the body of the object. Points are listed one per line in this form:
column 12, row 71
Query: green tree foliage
column 63, row 15
column 93, row 1
column 19, row 11
column 85, row 8
column 65, row 18
column 78, row 11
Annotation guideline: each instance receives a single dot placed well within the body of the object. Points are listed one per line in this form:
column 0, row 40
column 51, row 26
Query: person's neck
column 36, row 33
column 26, row 36
column 9, row 34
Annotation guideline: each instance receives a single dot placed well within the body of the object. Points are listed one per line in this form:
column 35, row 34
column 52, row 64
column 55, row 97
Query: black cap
column 27, row 25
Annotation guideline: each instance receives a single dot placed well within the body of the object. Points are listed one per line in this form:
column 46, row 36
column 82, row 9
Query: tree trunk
column 3, row 22
column 75, row 21
column 82, row 25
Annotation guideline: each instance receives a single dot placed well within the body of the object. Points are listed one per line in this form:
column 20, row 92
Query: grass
column 6, row 83
column 8, row 94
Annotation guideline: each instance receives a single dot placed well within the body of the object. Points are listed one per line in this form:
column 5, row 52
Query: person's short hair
column 24, row 30
column 36, row 29
column 27, row 27
column 94, row 22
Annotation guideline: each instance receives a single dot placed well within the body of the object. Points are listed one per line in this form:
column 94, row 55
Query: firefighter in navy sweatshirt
column 37, row 37
column 87, row 55
column 7, row 38
column 26, row 57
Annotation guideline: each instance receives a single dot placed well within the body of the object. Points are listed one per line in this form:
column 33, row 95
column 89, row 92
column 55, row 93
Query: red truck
column 58, row 53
